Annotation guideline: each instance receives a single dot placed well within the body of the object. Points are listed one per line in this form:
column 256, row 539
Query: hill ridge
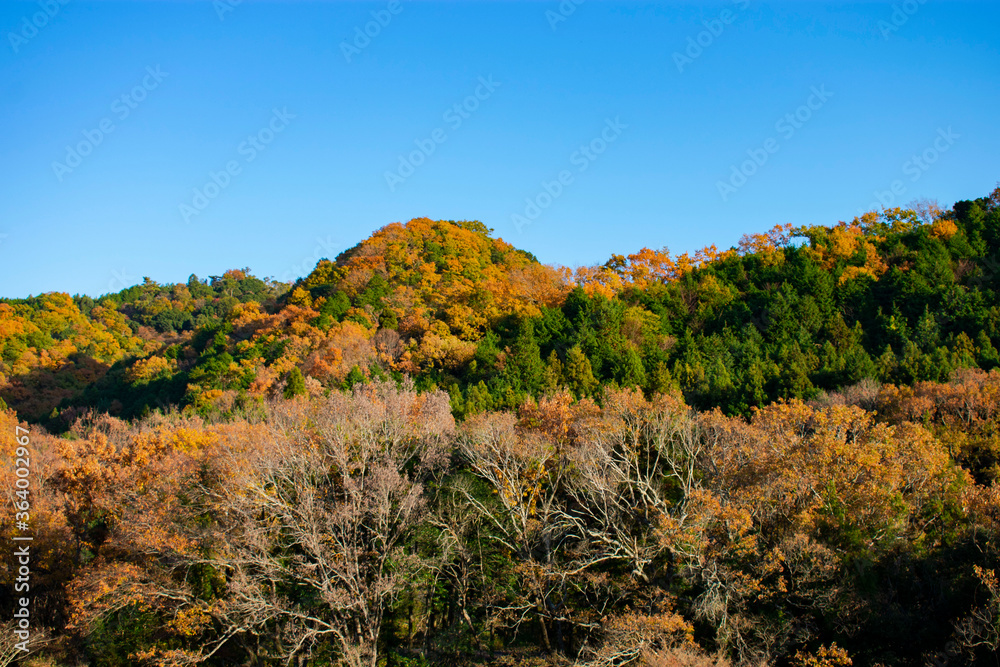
column 899, row 296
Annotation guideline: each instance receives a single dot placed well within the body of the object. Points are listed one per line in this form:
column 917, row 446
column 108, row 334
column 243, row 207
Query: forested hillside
column 434, row 449
column 897, row 296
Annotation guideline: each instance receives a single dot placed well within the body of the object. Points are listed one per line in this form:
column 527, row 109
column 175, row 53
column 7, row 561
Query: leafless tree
column 310, row 514
column 316, row 518
column 634, row 492
column 525, row 471
column 625, row 490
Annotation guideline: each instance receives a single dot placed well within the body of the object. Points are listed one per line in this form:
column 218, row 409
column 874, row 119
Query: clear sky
column 317, row 134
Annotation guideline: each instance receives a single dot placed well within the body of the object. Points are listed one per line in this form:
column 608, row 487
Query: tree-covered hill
column 897, row 296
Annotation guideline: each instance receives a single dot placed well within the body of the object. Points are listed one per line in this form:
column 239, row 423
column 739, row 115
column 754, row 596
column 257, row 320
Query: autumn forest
column 434, row 449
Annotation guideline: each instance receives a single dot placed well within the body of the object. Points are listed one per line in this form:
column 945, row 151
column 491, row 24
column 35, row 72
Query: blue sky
column 832, row 100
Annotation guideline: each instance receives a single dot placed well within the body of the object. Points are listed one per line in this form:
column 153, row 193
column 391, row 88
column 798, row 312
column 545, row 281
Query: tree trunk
column 545, row 633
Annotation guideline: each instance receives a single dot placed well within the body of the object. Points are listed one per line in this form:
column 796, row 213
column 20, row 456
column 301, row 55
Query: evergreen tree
column 524, row 367
column 632, row 373
column 578, row 373
column 295, row 385
column 355, row 376
column 552, row 377
column 478, row 399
